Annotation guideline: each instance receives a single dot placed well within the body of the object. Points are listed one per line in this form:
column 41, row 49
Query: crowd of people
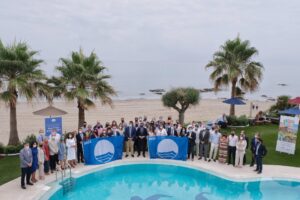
column 205, row 141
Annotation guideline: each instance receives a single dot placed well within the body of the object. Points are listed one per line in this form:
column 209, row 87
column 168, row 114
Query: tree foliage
column 20, row 75
column 180, row 99
column 82, row 78
column 233, row 66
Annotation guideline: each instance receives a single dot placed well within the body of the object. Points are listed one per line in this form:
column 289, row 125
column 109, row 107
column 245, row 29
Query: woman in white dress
column 71, row 150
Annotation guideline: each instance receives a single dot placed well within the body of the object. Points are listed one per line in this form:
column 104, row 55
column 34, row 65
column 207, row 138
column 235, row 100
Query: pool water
column 163, row 182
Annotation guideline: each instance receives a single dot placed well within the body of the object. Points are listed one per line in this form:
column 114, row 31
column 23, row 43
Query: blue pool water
column 163, row 182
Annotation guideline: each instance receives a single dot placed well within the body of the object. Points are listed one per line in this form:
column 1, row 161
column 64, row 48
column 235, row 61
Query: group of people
column 204, row 141
column 46, row 155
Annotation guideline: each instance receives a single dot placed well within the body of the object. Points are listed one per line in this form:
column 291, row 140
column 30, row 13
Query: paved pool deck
column 13, row 191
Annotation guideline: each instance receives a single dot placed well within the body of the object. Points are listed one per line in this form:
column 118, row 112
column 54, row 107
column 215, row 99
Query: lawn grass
column 9, row 168
column 269, row 135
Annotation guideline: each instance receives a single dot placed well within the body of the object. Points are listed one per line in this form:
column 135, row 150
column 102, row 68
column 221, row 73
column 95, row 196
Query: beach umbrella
column 50, row 111
column 295, row 100
column 234, row 101
column 291, row 111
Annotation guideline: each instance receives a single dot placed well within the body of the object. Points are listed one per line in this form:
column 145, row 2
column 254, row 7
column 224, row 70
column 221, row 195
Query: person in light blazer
column 25, row 164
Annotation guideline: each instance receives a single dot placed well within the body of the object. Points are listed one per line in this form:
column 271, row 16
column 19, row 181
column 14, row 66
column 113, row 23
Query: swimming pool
column 163, row 181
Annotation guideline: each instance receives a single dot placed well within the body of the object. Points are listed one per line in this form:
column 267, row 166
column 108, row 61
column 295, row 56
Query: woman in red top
column 47, row 156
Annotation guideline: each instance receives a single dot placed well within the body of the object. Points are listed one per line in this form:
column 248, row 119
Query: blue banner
column 103, row 150
column 168, row 147
column 53, row 123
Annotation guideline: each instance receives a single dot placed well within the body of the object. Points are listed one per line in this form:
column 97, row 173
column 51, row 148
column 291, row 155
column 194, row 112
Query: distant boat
column 142, row 94
column 282, row 84
column 264, row 96
column 157, row 90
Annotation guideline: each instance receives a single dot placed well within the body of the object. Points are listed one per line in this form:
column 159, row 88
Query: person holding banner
column 130, row 134
column 142, row 134
column 192, row 141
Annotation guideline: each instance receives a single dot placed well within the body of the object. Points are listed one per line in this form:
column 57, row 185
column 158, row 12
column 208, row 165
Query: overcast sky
column 167, row 40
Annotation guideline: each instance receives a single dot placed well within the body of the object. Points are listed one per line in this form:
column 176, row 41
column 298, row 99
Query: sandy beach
column 208, row 109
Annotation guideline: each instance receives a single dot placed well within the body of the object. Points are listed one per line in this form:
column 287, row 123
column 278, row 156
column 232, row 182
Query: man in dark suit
column 253, row 147
column 171, row 131
column 260, row 152
column 80, row 137
column 130, row 134
column 141, row 134
column 204, row 143
column 192, row 141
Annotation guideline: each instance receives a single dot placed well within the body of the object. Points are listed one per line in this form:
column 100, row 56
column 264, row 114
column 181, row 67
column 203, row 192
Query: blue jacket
column 260, row 150
column 126, row 132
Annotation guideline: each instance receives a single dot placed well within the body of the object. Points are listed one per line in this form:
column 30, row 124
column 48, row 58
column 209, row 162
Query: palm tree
column 82, row 79
column 233, row 67
column 19, row 76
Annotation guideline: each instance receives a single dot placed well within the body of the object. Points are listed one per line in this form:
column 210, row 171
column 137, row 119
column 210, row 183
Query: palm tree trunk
column 81, row 115
column 181, row 117
column 13, row 135
column 232, row 107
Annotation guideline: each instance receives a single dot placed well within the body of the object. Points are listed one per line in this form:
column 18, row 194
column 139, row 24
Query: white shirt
column 232, row 140
column 197, row 135
column 162, row 132
column 57, row 137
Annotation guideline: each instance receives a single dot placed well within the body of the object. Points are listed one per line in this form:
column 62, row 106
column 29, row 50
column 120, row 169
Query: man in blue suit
column 260, row 152
column 253, row 148
column 130, row 134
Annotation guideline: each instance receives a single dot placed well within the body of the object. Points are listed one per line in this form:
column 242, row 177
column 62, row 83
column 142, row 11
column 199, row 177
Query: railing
column 68, row 183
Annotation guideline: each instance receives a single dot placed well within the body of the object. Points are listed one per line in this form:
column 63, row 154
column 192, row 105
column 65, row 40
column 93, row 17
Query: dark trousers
column 259, row 163
column 244, row 159
column 142, row 144
column 79, row 154
column 253, row 159
column 25, row 172
column 53, row 159
column 46, row 166
column 203, row 149
column 191, row 150
column 231, row 155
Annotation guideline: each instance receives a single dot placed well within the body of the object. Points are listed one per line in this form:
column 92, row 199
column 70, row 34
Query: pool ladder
column 67, row 184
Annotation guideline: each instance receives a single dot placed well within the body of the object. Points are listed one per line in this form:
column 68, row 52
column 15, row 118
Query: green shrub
column 238, row 121
column 11, row 149
column 281, row 104
column 29, row 139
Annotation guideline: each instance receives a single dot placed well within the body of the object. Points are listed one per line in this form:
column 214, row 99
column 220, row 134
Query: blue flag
column 53, row 123
column 103, row 150
column 168, row 147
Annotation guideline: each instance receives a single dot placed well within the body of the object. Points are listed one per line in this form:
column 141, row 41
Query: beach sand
column 208, row 109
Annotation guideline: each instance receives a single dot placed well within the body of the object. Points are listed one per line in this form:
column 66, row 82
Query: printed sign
column 287, row 134
column 53, row 123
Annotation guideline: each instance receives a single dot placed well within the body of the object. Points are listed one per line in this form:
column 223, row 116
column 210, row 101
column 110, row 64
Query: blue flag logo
column 167, row 149
column 104, row 151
